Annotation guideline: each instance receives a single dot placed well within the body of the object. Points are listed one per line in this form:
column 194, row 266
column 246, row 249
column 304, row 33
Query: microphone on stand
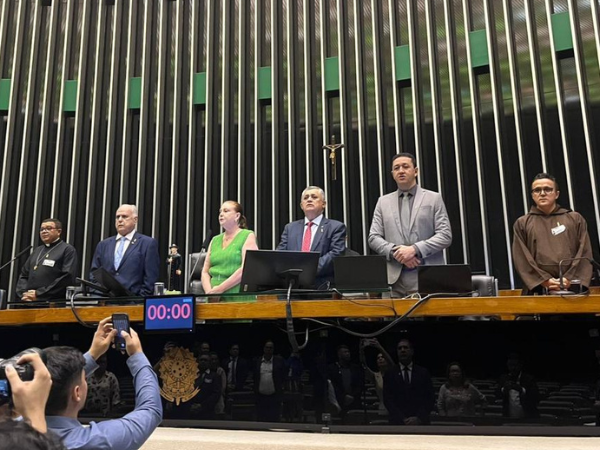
column 563, row 290
column 17, row 256
column 206, row 242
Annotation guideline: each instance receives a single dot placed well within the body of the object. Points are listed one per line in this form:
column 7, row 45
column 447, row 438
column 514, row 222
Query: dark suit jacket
column 242, row 369
column 529, row 398
column 334, row 373
column 139, row 267
column 329, row 241
column 210, row 392
column 278, row 373
column 408, row 400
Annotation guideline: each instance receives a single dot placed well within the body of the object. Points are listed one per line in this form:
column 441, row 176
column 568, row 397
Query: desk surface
column 506, row 306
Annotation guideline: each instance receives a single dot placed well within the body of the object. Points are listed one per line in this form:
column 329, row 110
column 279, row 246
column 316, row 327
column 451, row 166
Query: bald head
column 126, row 219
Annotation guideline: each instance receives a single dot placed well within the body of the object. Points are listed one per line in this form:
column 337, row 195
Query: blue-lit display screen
column 169, row 314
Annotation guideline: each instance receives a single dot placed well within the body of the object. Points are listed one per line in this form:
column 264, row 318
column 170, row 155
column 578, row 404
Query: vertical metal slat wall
column 177, row 105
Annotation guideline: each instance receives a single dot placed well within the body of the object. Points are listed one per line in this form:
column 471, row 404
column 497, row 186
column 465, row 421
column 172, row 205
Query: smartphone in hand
column 120, row 323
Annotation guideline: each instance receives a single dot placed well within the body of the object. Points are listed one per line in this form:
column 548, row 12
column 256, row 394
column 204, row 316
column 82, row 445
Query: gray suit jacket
column 429, row 229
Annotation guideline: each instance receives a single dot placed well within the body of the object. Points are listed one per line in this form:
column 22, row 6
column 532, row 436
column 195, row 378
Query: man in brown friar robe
column 547, row 235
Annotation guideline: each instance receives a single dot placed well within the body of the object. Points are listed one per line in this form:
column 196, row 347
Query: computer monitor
column 264, row 270
column 360, row 272
column 448, row 279
column 110, row 283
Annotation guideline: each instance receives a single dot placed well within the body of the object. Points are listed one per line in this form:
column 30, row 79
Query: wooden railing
column 505, row 306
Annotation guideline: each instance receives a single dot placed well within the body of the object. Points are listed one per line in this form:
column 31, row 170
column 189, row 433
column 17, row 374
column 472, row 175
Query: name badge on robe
column 558, row 229
column 48, row 262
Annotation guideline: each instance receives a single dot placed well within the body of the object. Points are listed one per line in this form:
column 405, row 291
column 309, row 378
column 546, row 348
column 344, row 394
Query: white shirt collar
column 128, row 236
column 316, row 221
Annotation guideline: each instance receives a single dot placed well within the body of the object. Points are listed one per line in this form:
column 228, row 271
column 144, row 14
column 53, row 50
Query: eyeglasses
column 545, row 190
column 47, row 229
column 204, row 360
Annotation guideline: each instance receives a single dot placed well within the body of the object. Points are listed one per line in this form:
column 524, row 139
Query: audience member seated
column 220, row 376
column 50, row 268
column 236, row 369
column 209, row 387
column 103, row 390
column 347, row 381
column 316, row 233
column 131, row 257
column 69, row 367
column 518, row 391
column 19, row 435
column 222, row 271
column 458, row 397
column 384, row 363
column 201, row 349
column 408, row 390
column 268, row 374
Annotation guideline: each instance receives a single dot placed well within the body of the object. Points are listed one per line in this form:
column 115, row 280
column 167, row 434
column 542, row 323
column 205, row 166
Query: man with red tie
column 316, row 233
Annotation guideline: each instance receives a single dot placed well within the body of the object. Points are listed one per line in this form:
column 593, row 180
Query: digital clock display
column 170, row 314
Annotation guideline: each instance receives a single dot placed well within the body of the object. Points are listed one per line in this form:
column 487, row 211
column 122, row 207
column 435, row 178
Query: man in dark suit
column 236, row 369
column 130, row 257
column 269, row 374
column 209, row 383
column 346, row 379
column 518, row 391
column 315, row 233
column 408, row 390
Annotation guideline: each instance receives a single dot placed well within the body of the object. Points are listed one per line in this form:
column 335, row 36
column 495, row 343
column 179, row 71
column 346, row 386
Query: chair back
column 196, row 263
column 485, row 286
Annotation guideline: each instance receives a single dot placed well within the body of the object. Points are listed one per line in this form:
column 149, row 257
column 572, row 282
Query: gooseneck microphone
column 17, row 256
column 206, row 242
column 563, row 290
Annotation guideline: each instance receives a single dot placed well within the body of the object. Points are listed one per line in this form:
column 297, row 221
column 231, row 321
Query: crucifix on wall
column 333, row 148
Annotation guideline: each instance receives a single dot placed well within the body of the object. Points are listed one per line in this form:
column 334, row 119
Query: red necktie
column 307, row 237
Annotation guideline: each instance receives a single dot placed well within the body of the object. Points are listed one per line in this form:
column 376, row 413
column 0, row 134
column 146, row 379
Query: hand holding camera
column 25, row 380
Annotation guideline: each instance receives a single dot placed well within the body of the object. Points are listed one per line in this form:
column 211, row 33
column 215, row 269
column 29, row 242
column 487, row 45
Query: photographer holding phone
column 69, row 368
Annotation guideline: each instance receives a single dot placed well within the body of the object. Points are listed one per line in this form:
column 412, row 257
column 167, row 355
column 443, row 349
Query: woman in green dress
column 222, row 271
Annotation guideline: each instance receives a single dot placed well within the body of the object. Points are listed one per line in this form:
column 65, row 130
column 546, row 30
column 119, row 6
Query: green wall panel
column 4, row 94
column 199, row 92
column 70, row 96
column 561, row 32
column 479, row 50
column 264, row 83
column 402, row 62
column 135, row 93
column 332, row 74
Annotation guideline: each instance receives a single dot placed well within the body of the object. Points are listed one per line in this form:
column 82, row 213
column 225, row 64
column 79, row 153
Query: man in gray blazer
column 410, row 227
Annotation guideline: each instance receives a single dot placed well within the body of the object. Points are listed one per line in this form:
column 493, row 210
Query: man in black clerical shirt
column 50, row 268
